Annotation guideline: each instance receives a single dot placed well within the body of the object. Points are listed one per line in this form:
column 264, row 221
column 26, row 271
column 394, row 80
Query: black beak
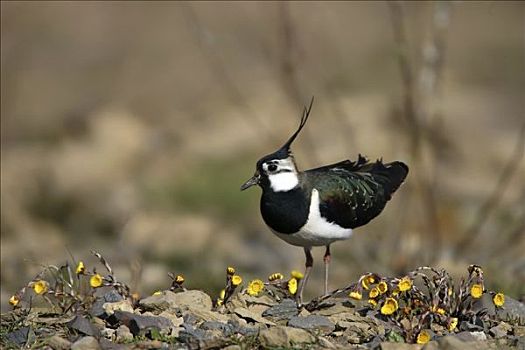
column 254, row 180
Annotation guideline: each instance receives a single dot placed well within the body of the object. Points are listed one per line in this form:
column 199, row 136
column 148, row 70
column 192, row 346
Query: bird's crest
column 304, row 118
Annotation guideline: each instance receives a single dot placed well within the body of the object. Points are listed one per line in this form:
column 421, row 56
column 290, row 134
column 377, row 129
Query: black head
column 281, row 161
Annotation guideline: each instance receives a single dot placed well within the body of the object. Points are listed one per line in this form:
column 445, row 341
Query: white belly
column 317, row 231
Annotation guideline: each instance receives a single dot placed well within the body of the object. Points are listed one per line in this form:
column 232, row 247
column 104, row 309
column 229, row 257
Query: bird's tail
column 396, row 173
column 390, row 175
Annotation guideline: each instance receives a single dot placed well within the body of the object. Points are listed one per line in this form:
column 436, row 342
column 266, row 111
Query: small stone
column 333, row 310
column 258, row 308
column 110, row 297
column 175, row 320
column 191, row 335
column 512, row 309
column 86, row 343
column 450, row 342
column 471, row 336
column 107, row 344
column 108, row 333
column 282, row 336
column 232, row 347
column 519, row 331
column 399, row 346
column 263, row 300
column 470, row 327
column 201, row 339
column 58, row 343
column 285, row 310
column 500, row 330
column 149, row 344
column 84, row 326
column 205, row 315
column 123, row 334
column 140, row 324
column 325, row 343
column 190, row 318
column 432, row 345
column 312, row 322
column 236, row 300
column 304, row 313
column 252, row 316
column 20, row 336
column 225, row 328
column 123, row 305
column 240, row 326
column 191, row 299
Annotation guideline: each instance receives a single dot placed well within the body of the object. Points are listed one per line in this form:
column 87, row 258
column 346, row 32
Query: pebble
column 283, row 336
column 58, row 343
column 191, row 299
column 123, row 334
column 285, row 310
column 86, row 343
column 84, row 326
column 312, row 322
column 140, row 324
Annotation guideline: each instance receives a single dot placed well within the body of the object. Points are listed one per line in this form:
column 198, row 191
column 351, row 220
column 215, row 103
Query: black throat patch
column 285, row 212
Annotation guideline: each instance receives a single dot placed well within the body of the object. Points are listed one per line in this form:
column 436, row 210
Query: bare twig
column 493, row 200
column 405, row 67
column 415, row 129
column 210, row 53
column 288, row 70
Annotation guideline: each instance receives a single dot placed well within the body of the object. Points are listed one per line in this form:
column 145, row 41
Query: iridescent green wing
column 353, row 193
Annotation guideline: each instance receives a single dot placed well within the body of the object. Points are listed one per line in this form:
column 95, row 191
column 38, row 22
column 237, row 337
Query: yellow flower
column 476, row 291
column 40, row 287
column 275, row 276
column 355, row 295
column 374, row 292
column 382, row 287
column 220, row 302
column 367, row 281
column 372, row 302
column 395, row 292
column 389, row 307
column 14, row 300
column 404, row 284
column 230, row 271
column 423, row 337
column 437, row 310
column 236, row 280
column 179, row 279
column 255, row 287
column 499, row 299
column 292, row 285
column 452, row 323
column 222, row 294
column 95, row 281
column 80, row 268
column 297, row 275
column 157, row 293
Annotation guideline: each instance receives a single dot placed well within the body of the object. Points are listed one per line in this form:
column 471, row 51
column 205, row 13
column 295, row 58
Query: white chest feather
column 317, row 231
column 284, row 181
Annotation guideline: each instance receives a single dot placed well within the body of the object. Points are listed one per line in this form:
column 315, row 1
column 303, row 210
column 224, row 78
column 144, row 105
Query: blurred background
column 128, row 127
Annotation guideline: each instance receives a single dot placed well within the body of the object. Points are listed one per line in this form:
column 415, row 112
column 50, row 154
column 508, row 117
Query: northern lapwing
column 319, row 206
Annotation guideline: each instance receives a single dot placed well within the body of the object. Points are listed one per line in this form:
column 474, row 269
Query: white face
column 282, row 174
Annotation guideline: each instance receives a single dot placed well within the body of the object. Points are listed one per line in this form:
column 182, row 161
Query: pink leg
column 309, row 263
column 327, row 257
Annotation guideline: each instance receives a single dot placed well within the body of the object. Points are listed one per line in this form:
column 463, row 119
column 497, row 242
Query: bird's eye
column 272, row 167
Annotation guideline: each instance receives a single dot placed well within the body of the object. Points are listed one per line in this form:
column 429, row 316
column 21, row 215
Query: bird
column 317, row 207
